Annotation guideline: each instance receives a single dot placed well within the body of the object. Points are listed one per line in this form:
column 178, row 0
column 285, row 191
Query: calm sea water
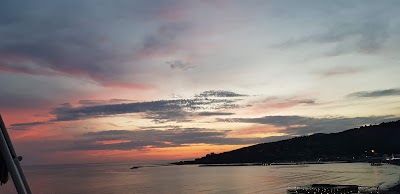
column 118, row 178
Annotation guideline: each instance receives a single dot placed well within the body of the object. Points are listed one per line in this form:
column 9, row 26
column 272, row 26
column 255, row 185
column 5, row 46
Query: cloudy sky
column 102, row 81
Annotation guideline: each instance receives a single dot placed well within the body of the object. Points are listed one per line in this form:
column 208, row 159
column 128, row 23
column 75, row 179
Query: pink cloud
column 130, row 86
column 274, row 103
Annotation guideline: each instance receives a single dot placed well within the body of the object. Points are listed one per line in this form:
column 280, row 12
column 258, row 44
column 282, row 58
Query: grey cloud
column 327, row 125
column 178, row 64
column 180, row 115
column 168, row 116
column 215, row 113
column 366, row 37
column 47, row 47
column 65, row 113
column 18, row 65
column 377, row 93
column 273, row 120
column 173, row 137
column 307, row 101
column 163, row 109
column 102, row 102
column 82, row 39
column 300, row 125
column 11, row 101
column 340, row 71
column 26, row 126
column 164, row 40
column 219, row 93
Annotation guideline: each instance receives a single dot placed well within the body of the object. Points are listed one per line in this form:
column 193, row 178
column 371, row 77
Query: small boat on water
column 376, row 164
column 135, row 167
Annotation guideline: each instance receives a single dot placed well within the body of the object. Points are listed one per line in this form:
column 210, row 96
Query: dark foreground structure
column 9, row 163
column 332, row 189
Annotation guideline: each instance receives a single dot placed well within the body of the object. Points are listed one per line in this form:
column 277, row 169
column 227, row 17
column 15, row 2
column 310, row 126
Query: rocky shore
column 396, row 188
column 393, row 190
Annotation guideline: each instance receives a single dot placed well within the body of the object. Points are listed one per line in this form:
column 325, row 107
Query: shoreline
column 394, row 189
column 261, row 163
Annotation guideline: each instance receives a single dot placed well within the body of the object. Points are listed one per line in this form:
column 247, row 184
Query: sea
column 159, row 178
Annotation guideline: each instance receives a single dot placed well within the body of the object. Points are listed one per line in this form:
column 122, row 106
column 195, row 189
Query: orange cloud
column 150, row 154
column 113, row 141
column 51, row 131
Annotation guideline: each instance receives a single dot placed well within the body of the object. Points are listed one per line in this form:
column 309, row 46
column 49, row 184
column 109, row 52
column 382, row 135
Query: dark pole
column 9, row 150
column 10, row 164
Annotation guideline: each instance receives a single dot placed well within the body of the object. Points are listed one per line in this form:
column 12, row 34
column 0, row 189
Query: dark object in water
column 135, row 167
column 330, row 188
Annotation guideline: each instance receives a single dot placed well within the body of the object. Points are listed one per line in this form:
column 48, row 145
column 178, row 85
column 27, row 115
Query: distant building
column 394, row 157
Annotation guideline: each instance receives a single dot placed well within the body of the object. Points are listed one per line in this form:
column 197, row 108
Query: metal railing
column 11, row 161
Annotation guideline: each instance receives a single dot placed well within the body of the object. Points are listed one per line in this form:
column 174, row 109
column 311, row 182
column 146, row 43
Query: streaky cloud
column 302, row 125
column 376, row 93
column 161, row 109
column 26, row 126
column 338, row 71
column 151, row 138
column 102, row 102
column 178, row 64
column 368, row 37
column 219, row 93
column 215, row 113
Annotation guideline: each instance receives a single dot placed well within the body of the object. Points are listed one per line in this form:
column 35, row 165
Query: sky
column 109, row 81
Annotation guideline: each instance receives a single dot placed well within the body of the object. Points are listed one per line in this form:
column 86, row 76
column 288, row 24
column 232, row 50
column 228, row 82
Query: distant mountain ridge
column 352, row 145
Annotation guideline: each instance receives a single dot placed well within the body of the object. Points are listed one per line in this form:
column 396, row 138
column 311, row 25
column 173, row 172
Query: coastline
column 396, row 187
column 392, row 190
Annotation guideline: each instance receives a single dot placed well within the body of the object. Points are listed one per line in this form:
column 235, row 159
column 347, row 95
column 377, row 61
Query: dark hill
column 352, row 144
